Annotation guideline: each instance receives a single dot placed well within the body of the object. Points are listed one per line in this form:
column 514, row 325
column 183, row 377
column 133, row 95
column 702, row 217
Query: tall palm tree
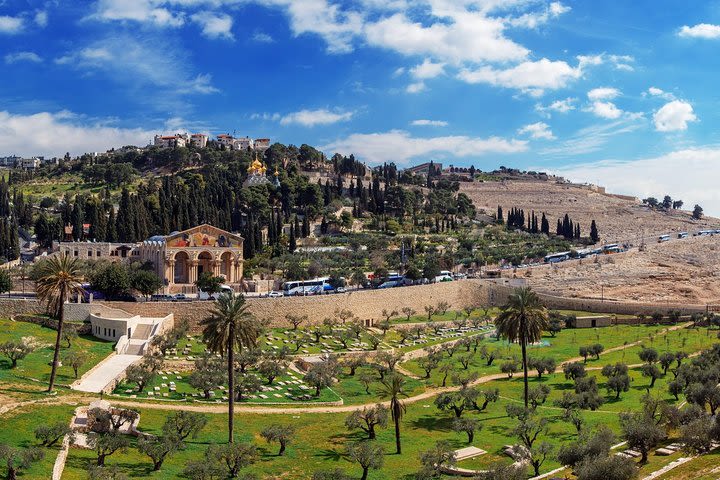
column 230, row 326
column 522, row 319
column 58, row 279
column 394, row 388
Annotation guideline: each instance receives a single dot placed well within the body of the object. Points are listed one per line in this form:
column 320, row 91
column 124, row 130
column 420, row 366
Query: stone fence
column 365, row 304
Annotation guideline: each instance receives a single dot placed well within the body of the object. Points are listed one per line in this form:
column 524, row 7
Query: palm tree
column 522, row 320
column 394, row 388
column 58, row 279
column 228, row 327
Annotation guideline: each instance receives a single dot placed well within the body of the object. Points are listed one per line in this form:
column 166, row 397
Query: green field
column 36, row 366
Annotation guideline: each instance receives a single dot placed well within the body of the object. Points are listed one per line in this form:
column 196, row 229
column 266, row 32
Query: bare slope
column 619, row 219
column 685, row 270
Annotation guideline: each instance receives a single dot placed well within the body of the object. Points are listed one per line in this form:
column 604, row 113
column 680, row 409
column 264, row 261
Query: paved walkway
column 105, row 373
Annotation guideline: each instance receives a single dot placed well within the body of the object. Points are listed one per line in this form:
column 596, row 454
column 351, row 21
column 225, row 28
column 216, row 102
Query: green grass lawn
column 17, row 429
column 36, row 366
column 567, row 343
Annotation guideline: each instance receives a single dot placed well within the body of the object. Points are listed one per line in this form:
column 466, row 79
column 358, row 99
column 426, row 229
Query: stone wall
column 365, row 304
column 10, row 307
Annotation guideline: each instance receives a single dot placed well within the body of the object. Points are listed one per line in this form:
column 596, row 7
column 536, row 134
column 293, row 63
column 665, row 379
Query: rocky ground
column 685, row 270
column 618, row 219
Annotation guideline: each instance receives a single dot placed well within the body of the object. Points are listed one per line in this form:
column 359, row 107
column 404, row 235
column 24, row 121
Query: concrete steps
column 142, row 332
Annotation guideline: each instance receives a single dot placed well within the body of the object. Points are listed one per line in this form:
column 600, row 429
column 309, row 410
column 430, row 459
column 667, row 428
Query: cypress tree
column 293, row 242
column 594, row 235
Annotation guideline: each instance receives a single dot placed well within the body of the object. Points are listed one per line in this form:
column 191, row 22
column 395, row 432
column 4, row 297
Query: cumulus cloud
column 54, row 133
column 429, row 123
column 537, row 131
column 17, row 57
column 535, row 19
column 701, row 30
column 560, row 106
column 401, row 147
column 11, row 25
column 41, row 18
column 311, row 118
column 215, row 25
column 603, row 93
column 657, row 92
column 605, row 110
column 427, row 69
column 126, row 59
column 532, row 76
column 649, row 176
column 143, row 11
column 674, row 116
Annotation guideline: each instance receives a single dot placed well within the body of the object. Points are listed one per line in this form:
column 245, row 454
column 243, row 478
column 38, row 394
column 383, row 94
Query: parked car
column 180, row 297
column 340, row 290
column 161, row 297
column 275, row 294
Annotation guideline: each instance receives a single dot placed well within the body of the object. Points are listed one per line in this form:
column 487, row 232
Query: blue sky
column 616, row 92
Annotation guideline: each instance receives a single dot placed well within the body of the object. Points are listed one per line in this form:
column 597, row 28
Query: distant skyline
column 614, row 92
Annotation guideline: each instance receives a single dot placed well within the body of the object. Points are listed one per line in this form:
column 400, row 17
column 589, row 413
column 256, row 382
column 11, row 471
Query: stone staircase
column 142, row 332
column 135, row 349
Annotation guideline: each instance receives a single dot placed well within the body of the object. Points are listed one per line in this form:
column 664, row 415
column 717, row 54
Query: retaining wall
column 366, row 304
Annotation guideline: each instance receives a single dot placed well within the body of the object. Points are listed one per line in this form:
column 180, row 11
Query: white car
column 275, row 294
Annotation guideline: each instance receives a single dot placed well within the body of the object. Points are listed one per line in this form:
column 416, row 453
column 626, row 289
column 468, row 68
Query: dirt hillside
column 686, row 270
column 619, row 219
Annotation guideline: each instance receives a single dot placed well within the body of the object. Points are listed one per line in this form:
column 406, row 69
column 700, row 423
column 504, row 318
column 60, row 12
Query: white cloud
column 701, row 30
column 134, row 61
column 53, row 134
column 657, row 92
column 427, row 69
column 675, row 173
column 416, row 87
column 560, row 106
column 674, row 116
column 605, row 110
column 463, row 36
column 538, row 131
column 266, row 116
column 11, row 25
column 311, row 118
column 41, row 18
column 262, row 37
column 535, row 19
column 16, row 57
column 401, row 147
column 533, row 76
column 143, row 11
column 603, row 93
column 215, row 25
column 594, row 138
column 429, row 123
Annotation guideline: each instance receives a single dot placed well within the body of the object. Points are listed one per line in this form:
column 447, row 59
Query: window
column 76, row 253
column 98, row 253
column 113, row 333
column 89, row 253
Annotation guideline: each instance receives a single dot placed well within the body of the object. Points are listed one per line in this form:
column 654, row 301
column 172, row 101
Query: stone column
column 170, row 275
column 216, row 268
column 193, row 276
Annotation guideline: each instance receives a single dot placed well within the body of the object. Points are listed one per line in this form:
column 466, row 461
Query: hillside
column 685, row 270
column 619, row 219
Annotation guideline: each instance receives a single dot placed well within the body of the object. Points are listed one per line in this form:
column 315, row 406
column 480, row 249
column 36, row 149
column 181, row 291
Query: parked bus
column 557, row 257
column 705, row 233
column 683, row 235
column 663, row 238
column 306, row 287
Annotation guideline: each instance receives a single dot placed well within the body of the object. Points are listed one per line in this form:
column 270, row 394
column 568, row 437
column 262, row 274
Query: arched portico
column 181, row 272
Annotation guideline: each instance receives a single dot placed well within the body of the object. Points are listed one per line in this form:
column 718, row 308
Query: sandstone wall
column 10, row 307
column 366, row 304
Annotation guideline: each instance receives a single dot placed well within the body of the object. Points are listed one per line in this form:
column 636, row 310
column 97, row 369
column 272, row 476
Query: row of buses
column 701, row 233
column 608, row 249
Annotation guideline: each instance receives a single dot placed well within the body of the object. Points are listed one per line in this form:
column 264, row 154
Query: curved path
column 222, row 408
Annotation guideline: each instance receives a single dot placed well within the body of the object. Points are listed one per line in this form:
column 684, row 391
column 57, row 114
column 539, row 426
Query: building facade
column 178, row 259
